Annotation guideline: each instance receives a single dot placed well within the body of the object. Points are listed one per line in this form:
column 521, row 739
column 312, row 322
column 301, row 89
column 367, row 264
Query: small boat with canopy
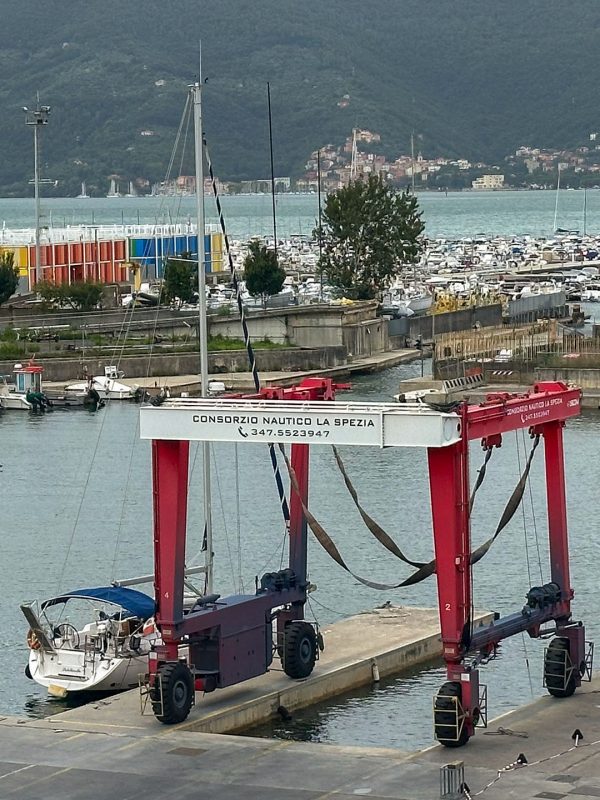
column 95, row 639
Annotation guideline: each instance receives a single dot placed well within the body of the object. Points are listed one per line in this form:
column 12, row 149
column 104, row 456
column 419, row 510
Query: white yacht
column 90, row 639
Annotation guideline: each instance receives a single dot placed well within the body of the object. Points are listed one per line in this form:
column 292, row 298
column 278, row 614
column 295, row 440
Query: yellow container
column 216, row 252
column 20, row 258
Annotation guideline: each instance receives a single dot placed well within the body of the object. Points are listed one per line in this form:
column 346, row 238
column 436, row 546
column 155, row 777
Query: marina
column 517, row 657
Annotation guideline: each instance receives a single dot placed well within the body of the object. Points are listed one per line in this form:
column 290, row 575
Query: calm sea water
column 76, row 509
column 456, row 215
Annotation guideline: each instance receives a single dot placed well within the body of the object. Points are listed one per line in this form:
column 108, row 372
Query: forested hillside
column 474, row 78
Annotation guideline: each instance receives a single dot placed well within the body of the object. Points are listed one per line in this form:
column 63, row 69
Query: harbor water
column 75, row 493
column 456, row 215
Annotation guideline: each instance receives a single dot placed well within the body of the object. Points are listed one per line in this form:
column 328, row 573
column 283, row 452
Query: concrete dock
column 392, row 638
column 48, row 760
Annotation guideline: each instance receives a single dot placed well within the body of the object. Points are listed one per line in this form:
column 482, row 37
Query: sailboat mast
column 556, row 201
column 412, row 161
column 320, row 225
column 272, row 169
column 202, row 327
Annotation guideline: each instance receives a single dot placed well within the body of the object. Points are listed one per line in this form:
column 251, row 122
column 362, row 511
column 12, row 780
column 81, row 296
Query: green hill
column 474, row 78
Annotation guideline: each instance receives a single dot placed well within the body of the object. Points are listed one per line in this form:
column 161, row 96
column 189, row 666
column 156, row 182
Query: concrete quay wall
column 168, row 364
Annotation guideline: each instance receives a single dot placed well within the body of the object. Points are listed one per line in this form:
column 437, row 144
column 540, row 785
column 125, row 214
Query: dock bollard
column 452, row 781
column 375, row 670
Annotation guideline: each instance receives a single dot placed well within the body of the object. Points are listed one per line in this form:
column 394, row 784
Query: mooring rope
column 246, row 333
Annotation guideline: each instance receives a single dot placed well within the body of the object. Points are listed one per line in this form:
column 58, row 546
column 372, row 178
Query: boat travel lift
column 230, row 639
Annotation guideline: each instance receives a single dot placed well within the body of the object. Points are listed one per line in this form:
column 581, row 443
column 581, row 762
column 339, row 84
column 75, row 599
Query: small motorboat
column 90, row 639
column 107, row 386
column 26, row 394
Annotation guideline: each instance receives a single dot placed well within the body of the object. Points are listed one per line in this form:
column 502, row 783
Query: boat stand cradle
column 230, row 639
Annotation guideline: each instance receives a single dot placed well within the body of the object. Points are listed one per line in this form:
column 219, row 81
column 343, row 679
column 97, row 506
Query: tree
column 263, row 275
column 179, row 278
column 82, row 296
column 9, row 276
column 370, row 230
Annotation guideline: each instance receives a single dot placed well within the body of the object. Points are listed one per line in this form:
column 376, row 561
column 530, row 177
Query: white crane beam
column 315, row 422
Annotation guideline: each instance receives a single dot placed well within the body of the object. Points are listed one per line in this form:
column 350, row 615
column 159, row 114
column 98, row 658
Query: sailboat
column 132, row 192
column 114, row 189
column 83, row 194
column 98, row 639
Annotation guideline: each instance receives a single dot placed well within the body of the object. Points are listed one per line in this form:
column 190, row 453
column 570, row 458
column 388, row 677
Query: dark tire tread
column 299, row 649
column 175, row 677
column 444, row 716
column 556, row 654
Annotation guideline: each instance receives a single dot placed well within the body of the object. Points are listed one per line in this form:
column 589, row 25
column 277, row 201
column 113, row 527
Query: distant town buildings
column 360, row 155
column 488, row 182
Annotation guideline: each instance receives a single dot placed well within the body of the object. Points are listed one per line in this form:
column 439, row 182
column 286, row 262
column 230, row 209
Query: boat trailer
column 231, row 639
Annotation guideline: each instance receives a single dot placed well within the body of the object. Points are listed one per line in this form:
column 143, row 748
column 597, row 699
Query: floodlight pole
column 37, row 117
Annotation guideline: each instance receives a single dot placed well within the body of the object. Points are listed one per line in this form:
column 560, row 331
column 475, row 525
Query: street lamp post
column 37, row 117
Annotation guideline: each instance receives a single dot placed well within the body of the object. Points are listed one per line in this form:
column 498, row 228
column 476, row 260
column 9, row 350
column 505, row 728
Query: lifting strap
column 378, row 532
column 428, row 569
column 376, row 529
column 327, row 542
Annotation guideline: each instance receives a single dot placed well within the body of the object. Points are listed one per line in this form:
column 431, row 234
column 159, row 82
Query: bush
column 9, row 335
column 9, row 276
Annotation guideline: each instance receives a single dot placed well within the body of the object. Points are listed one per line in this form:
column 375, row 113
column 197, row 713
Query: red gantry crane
column 231, row 639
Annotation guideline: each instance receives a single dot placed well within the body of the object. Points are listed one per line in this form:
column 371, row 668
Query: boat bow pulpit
column 230, row 639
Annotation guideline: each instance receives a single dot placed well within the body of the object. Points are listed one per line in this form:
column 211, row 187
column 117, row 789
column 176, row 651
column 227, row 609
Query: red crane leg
column 557, row 507
column 449, row 486
column 169, row 487
column 298, row 534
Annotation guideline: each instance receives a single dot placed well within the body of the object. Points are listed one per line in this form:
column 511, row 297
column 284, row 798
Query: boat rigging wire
column 238, row 518
column 227, row 542
column 246, row 333
column 534, row 520
column 523, row 515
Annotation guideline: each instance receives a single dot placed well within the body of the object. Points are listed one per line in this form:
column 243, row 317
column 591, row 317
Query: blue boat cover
column 136, row 603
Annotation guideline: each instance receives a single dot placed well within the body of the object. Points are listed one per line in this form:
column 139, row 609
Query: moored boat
column 107, row 386
column 95, row 639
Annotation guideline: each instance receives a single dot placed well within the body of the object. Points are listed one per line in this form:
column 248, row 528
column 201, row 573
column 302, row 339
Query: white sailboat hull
column 66, row 671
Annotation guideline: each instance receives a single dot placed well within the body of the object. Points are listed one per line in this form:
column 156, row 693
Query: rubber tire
column 177, row 693
column 553, row 673
column 28, row 672
column 444, row 715
column 299, row 649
